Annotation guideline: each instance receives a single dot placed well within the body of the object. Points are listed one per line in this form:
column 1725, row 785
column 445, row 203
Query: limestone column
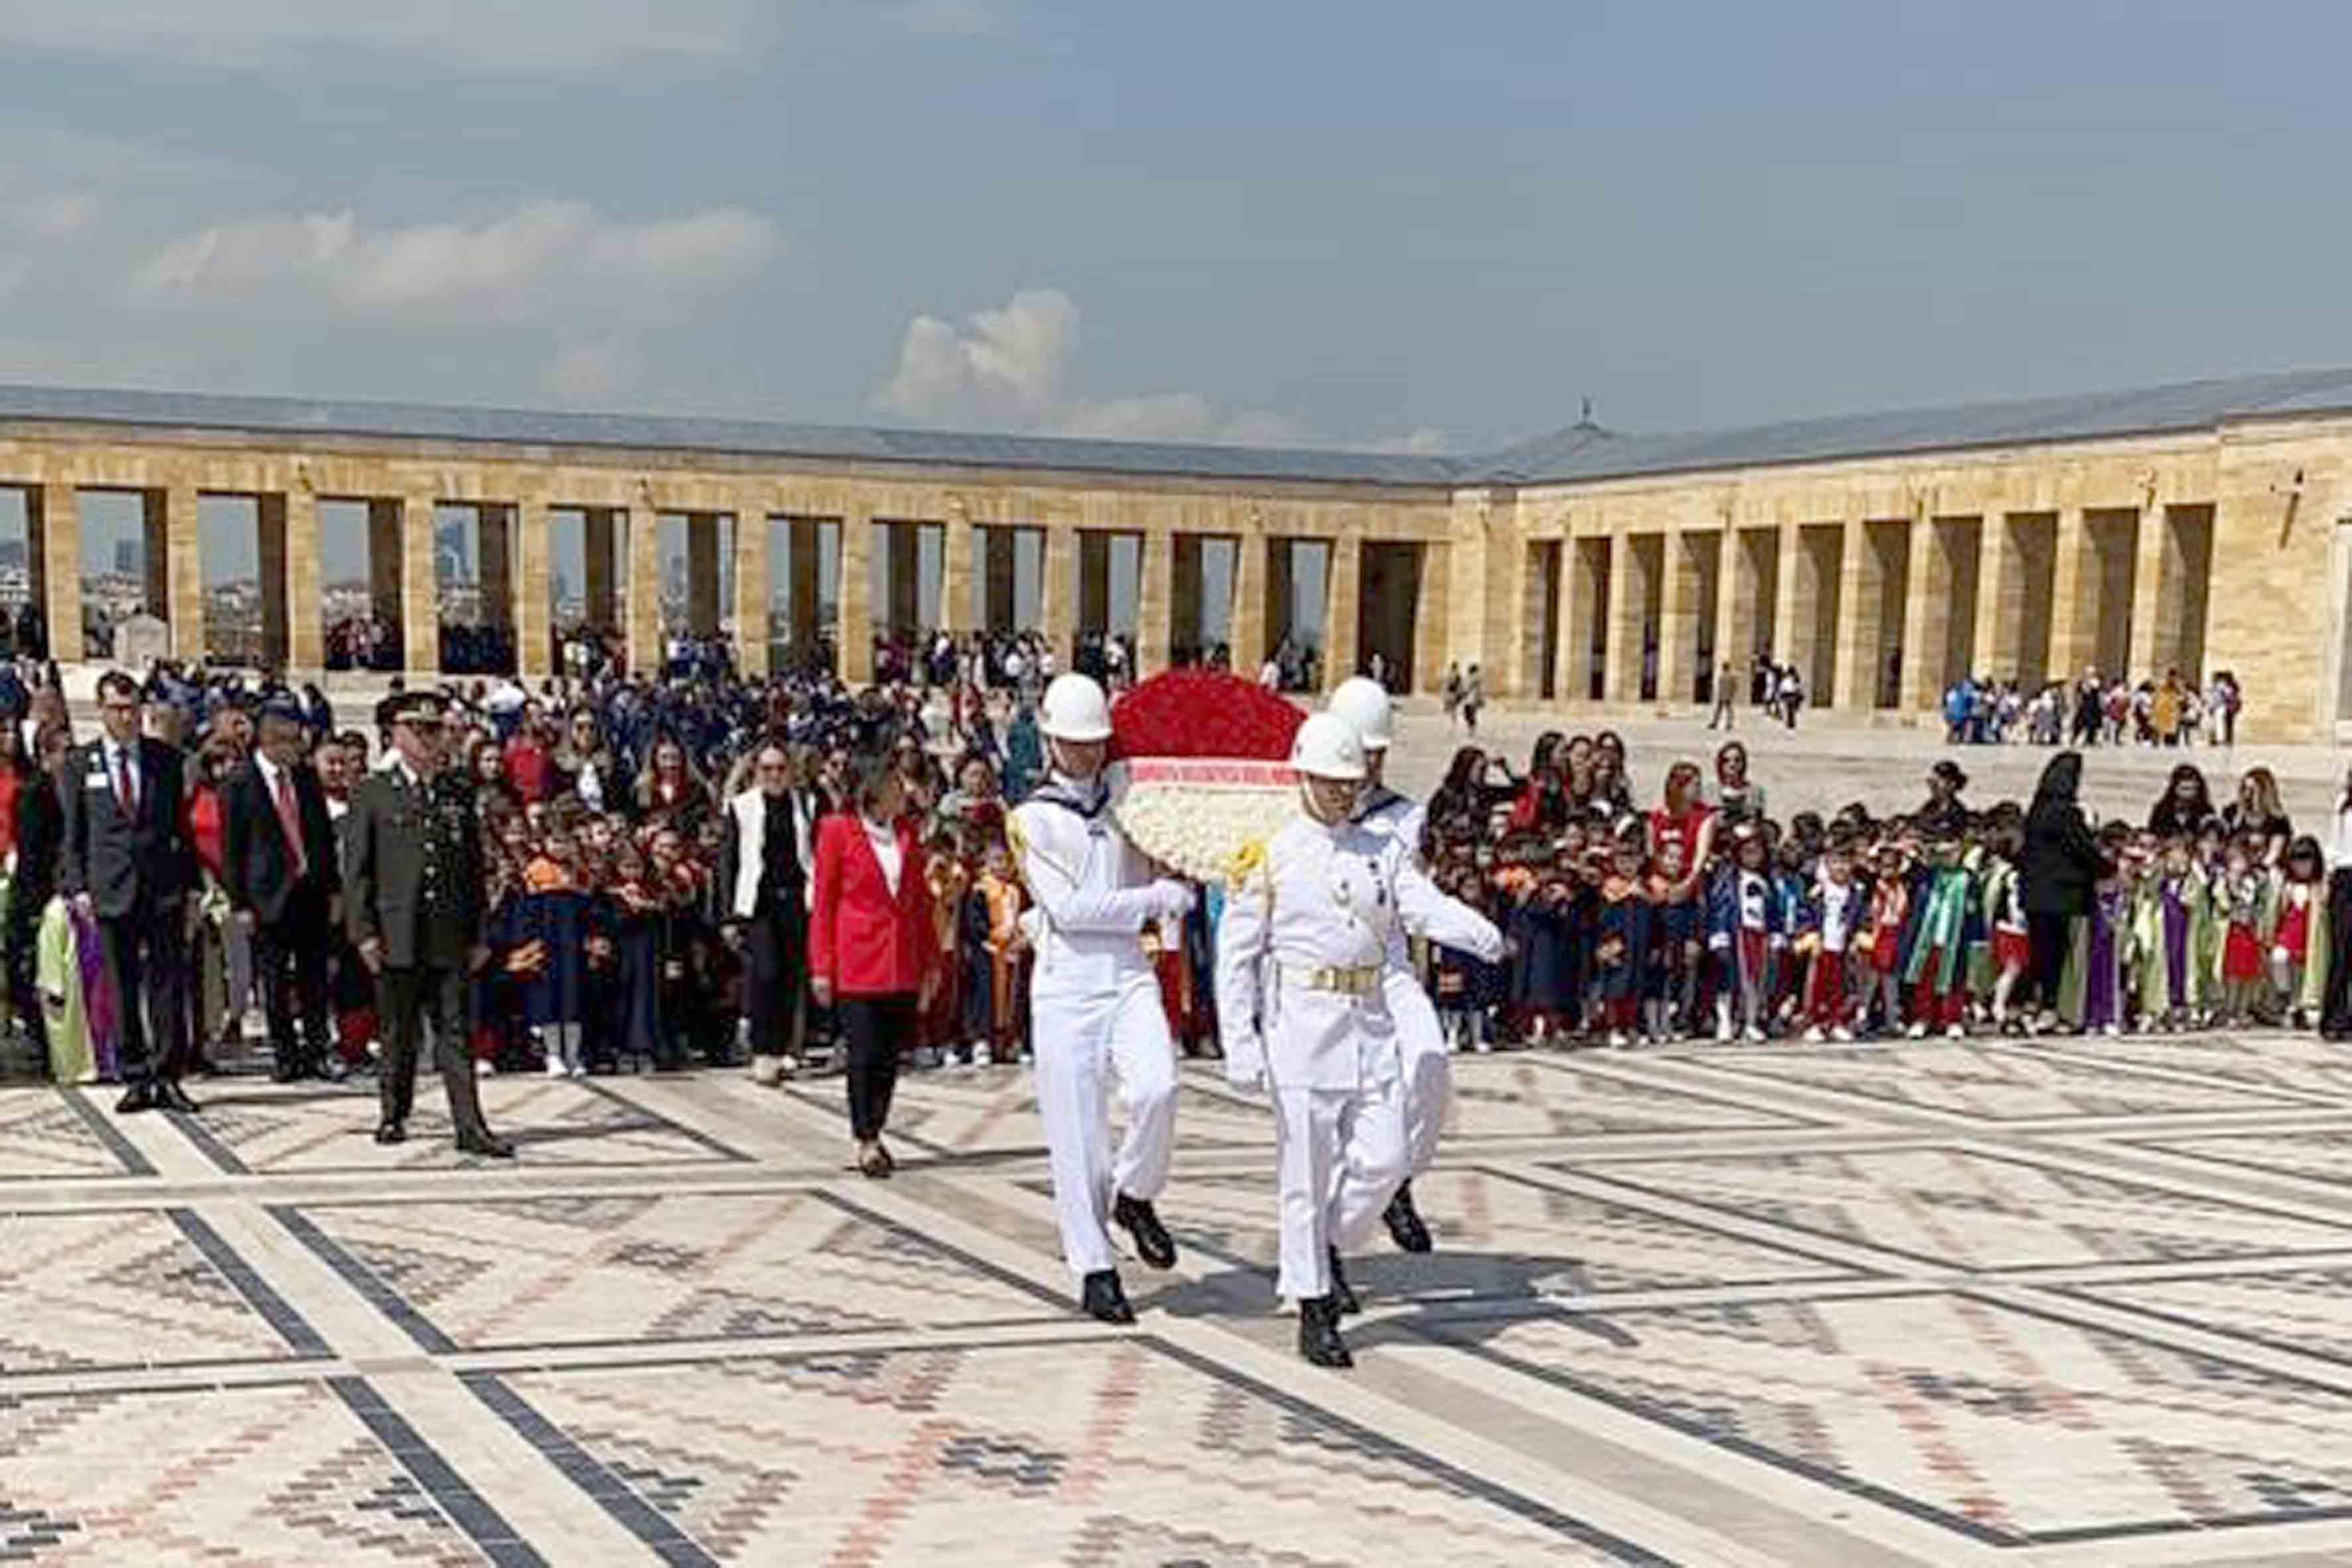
column 420, row 596
column 596, row 606
column 172, row 512
column 1621, row 676
column 2155, row 626
column 1155, row 592
column 60, row 512
column 2001, row 599
column 1247, row 635
column 1059, row 591
column 306, row 628
column 1678, row 618
column 2074, row 631
column 534, row 605
column 1793, row 610
column 956, row 575
column 642, row 541
column 1580, row 606
column 753, row 592
column 1860, row 602
column 702, row 572
column 853, row 631
column 1431, row 630
column 1342, row 596
column 1736, row 593
column 1926, row 612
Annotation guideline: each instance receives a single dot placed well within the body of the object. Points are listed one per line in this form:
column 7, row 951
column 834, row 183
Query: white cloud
column 1008, row 368
column 544, row 260
column 548, row 37
column 1427, row 441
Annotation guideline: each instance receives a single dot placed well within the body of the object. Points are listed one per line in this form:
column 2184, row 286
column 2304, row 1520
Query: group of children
column 1859, row 927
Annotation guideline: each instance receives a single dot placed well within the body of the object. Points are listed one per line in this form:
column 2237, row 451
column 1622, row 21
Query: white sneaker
column 1814, row 1036
column 484, row 1069
column 1842, row 1035
column 554, row 1065
column 1753, row 1035
column 765, row 1069
column 981, row 1057
column 1723, row 1031
column 1916, row 1032
column 2112, row 1030
column 1616, row 1039
column 578, row 1070
column 1955, row 1032
column 1484, row 1046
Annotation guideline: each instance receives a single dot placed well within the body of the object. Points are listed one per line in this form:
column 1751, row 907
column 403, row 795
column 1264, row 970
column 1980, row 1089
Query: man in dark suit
column 413, row 903
column 284, row 888
column 128, row 864
column 763, row 894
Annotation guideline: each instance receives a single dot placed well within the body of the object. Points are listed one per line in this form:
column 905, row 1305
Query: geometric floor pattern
column 2087, row 1302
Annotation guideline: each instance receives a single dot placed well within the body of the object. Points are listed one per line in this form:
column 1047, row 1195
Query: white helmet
column 1328, row 747
column 1363, row 702
column 1075, row 709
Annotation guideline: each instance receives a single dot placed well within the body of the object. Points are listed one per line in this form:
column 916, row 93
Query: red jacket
column 864, row 940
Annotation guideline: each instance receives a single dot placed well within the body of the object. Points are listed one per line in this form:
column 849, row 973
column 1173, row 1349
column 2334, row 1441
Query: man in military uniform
column 1425, row 1067
column 1302, row 1007
column 1095, row 1001
column 413, row 899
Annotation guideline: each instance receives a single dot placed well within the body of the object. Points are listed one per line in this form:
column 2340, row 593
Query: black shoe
column 1152, row 1242
column 1319, row 1333
column 1342, row 1299
column 391, row 1133
column 170, row 1096
column 1404, row 1221
column 1103, row 1298
column 138, row 1096
column 486, row 1144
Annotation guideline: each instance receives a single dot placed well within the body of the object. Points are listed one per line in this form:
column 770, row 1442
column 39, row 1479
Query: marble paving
column 1947, row 1302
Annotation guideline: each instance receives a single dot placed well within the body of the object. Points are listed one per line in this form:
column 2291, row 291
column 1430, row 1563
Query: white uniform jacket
column 1091, row 892
column 1301, row 949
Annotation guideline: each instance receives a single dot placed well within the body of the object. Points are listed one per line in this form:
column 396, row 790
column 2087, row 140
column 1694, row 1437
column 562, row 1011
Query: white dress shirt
column 884, row 842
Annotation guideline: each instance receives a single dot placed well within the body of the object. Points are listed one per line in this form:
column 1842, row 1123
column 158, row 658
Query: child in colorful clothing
column 1677, row 933
column 1624, row 943
column 1745, row 933
column 2298, row 929
column 1836, row 911
column 1879, row 942
column 2244, row 897
column 1936, row 970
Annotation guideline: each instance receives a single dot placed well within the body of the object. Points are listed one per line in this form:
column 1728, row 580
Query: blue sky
column 1362, row 224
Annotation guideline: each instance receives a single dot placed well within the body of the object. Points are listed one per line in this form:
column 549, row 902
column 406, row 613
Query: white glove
column 1174, row 898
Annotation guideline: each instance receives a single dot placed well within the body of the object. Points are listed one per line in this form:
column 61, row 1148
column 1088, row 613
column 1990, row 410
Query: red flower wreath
column 1203, row 713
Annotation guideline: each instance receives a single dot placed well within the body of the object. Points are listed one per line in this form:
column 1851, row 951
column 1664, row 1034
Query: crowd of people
column 647, row 872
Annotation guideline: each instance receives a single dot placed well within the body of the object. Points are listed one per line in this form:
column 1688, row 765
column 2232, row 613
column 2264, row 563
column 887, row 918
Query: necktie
column 290, row 820
column 125, row 795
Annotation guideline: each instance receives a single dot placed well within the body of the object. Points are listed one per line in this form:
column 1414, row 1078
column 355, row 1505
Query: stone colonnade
column 862, row 527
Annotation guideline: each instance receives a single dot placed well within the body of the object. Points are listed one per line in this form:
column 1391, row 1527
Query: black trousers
column 2045, row 936
column 775, row 977
column 26, row 903
column 290, row 967
column 874, row 1029
column 407, row 999
column 146, row 954
column 2335, row 1011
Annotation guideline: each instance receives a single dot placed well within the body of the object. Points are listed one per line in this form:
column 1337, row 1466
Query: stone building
column 2195, row 526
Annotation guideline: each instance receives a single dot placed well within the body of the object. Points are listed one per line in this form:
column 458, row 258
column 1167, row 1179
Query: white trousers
column 1079, row 1042
column 1427, row 1063
column 1338, row 1156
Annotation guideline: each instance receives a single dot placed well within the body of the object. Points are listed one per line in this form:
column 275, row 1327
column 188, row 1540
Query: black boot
column 1319, row 1333
column 1103, row 1298
column 1343, row 1300
column 1404, row 1221
column 1152, row 1242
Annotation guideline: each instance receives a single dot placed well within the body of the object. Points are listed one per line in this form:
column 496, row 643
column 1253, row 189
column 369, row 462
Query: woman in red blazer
column 870, row 946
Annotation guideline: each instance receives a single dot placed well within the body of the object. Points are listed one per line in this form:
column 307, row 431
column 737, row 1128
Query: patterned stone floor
column 1976, row 1303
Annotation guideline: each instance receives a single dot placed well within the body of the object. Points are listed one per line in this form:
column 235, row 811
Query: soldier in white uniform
column 1301, row 1007
column 1094, row 1001
column 1424, row 1061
